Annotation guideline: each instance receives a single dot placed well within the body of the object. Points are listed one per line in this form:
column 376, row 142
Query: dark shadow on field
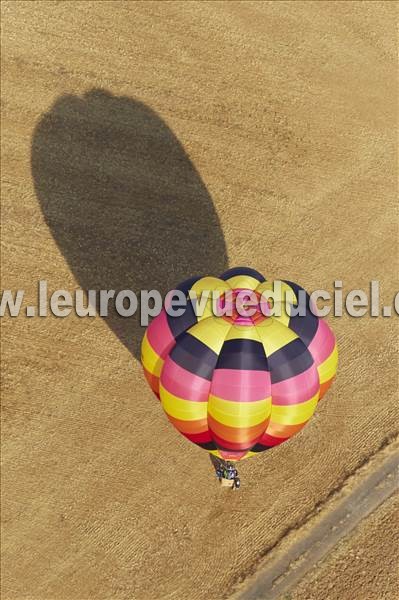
column 122, row 199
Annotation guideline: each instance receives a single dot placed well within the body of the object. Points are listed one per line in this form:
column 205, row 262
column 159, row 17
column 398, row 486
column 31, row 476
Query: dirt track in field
column 142, row 142
column 304, row 563
column 365, row 563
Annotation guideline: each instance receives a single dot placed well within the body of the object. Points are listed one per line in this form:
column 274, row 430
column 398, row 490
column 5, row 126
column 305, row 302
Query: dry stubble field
column 141, row 143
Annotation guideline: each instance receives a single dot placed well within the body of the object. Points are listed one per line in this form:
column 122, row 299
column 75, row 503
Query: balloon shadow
column 124, row 203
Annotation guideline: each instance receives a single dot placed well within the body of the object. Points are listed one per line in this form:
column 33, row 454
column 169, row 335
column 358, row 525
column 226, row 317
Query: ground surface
column 143, row 142
column 302, row 559
column 367, row 562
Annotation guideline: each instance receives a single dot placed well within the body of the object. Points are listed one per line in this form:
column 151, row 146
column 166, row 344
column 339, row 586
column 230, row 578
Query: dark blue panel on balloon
column 291, row 360
column 304, row 326
column 194, row 356
column 243, row 354
column 242, row 271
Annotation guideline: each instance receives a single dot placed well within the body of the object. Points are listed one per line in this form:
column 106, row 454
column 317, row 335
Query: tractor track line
column 290, row 566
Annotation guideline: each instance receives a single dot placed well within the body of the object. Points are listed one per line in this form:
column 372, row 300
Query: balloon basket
column 227, row 483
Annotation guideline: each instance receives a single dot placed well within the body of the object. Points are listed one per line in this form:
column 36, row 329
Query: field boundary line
column 322, row 531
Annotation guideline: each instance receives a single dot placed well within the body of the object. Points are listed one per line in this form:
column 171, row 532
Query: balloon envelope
column 241, row 382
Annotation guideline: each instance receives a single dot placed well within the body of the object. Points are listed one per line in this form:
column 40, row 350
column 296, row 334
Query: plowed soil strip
column 284, row 571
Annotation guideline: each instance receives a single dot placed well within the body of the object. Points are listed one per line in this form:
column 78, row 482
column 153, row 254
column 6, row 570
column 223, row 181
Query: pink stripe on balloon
column 231, row 455
column 160, row 335
column 184, row 384
column 296, row 389
column 322, row 344
column 241, row 385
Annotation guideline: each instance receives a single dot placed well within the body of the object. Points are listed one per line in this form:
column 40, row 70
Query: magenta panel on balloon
column 322, row 344
column 182, row 383
column 241, row 385
column 160, row 336
column 296, row 389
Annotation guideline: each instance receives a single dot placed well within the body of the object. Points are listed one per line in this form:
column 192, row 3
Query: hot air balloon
column 233, row 384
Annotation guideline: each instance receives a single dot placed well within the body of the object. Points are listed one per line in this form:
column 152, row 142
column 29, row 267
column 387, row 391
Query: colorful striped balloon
column 237, row 385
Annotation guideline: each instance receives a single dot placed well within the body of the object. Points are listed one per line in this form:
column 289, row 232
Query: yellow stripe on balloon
column 294, row 414
column 239, row 414
column 287, row 293
column 281, row 314
column 275, row 337
column 150, row 359
column 215, row 453
column 248, row 454
column 242, row 332
column 281, row 302
column 328, row 368
column 211, row 332
column 179, row 408
column 209, row 284
column 245, row 282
